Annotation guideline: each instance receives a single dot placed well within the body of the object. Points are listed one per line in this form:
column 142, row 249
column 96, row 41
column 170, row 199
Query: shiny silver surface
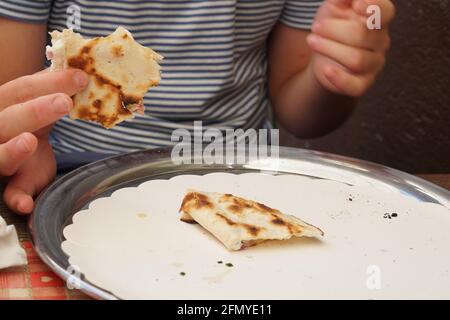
column 73, row 192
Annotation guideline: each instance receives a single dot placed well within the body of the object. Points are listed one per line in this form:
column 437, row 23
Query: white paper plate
column 133, row 244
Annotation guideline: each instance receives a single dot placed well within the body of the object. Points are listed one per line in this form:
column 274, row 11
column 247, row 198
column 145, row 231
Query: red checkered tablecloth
column 36, row 281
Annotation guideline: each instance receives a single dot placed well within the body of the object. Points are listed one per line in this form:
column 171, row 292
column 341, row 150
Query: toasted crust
column 239, row 222
column 120, row 72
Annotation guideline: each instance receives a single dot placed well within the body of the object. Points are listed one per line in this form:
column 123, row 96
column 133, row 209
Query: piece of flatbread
column 240, row 223
column 120, row 72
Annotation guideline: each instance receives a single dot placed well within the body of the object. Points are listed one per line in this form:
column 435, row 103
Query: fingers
column 18, row 199
column 336, row 9
column 348, row 53
column 30, row 87
column 387, row 9
column 14, row 152
column 19, row 192
column 31, row 178
column 347, row 84
column 361, row 37
column 33, row 115
column 341, row 3
column 355, row 60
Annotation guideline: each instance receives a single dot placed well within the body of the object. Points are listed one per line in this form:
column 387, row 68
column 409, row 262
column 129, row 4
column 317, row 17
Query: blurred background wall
column 404, row 121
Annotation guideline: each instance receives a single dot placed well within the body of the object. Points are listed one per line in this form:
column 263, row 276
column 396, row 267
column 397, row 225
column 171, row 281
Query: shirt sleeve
column 33, row 11
column 299, row 14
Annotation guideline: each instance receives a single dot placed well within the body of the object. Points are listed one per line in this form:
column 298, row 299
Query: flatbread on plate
column 240, row 223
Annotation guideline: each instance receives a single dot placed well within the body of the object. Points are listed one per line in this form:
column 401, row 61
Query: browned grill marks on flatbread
column 264, row 208
column 278, row 221
column 228, row 221
column 251, row 229
column 239, row 205
column 187, row 198
column 84, row 111
column 92, row 114
column 293, row 228
column 235, row 209
column 117, row 50
column 202, row 201
column 97, row 103
column 86, row 49
column 188, row 220
column 102, row 81
column 195, row 200
column 127, row 100
column 86, row 63
column 80, row 62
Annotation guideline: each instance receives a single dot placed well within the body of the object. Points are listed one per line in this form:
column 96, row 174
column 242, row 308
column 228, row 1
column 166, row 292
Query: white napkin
column 11, row 253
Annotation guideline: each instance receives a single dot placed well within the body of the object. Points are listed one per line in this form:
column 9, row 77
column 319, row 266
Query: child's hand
column 348, row 55
column 28, row 107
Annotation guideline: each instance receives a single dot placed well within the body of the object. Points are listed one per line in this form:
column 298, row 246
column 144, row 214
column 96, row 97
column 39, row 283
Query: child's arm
column 22, row 48
column 314, row 79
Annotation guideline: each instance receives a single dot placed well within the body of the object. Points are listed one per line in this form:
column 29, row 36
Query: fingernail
column 80, row 79
column 24, row 208
column 23, row 144
column 61, row 104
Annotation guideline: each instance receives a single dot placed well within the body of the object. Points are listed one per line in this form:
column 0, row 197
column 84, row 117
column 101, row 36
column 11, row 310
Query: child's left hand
column 347, row 54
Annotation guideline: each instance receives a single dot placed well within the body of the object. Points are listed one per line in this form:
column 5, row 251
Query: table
column 36, row 281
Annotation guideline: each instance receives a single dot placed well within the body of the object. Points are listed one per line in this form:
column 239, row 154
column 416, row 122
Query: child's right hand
column 28, row 107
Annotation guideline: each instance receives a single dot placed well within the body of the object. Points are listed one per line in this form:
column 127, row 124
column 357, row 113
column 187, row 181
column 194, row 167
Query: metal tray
column 74, row 191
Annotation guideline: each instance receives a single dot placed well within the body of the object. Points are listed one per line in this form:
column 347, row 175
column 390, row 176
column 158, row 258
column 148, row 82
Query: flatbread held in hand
column 120, row 72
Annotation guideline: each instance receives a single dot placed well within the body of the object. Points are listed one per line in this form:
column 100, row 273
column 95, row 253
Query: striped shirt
column 214, row 67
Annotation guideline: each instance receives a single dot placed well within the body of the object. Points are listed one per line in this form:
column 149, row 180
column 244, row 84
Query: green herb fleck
column 229, row 264
column 182, row 274
column 219, row 262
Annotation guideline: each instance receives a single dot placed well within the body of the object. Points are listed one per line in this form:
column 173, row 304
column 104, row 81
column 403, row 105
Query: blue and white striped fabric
column 214, row 68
